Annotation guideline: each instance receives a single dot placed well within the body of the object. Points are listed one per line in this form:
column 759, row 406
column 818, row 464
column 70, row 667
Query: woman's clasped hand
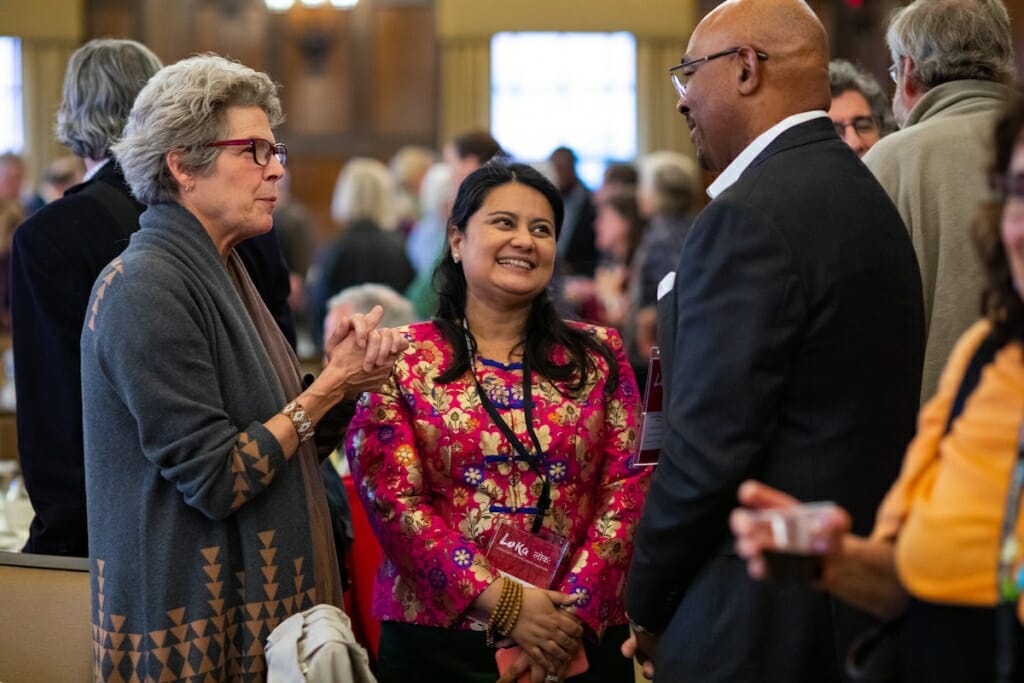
column 362, row 352
column 548, row 634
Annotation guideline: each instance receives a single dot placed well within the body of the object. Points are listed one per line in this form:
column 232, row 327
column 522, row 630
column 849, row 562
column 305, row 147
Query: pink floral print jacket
column 436, row 476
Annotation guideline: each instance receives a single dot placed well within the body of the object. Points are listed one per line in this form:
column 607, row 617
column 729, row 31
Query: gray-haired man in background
column 952, row 61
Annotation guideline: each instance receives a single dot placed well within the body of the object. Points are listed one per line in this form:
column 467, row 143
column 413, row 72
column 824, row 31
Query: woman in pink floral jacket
column 458, row 443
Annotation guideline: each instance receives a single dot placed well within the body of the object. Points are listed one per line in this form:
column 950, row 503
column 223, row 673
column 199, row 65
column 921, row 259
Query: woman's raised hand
column 359, row 355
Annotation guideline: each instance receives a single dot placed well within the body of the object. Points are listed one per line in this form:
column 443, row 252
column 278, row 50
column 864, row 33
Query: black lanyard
column 537, row 459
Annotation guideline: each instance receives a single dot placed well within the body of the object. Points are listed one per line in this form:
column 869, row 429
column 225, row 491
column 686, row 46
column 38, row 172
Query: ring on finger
column 551, row 678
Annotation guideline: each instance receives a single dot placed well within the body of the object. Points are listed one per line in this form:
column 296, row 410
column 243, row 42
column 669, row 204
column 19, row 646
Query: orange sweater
column 946, row 508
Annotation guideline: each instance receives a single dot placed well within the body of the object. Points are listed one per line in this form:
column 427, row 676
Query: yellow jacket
column 946, row 508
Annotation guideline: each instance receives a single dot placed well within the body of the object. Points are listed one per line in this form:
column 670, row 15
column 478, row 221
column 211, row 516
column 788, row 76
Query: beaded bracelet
column 502, row 611
column 300, row 420
column 506, row 612
column 513, row 614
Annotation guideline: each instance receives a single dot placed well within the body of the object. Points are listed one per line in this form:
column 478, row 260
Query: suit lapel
column 808, row 132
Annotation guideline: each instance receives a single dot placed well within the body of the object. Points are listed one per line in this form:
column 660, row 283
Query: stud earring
column 456, row 258
column 188, row 188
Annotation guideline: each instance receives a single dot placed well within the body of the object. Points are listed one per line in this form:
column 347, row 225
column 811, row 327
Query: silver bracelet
column 300, row 420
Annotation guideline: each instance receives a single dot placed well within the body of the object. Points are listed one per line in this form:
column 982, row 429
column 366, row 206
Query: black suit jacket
column 56, row 255
column 792, row 345
column 264, row 261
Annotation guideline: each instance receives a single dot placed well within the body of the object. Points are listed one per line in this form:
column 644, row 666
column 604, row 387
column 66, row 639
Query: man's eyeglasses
column 681, row 72
column 862, row 125
column 261, row 149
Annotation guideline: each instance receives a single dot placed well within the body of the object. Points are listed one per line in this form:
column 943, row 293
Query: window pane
column 11, row 124
column 572, row 89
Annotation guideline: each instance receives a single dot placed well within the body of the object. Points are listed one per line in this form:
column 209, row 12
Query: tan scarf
column 327, row 578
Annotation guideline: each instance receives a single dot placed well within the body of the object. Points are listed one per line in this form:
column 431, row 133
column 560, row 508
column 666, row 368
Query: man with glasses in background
column 791, row 338
column 952, row 61
column 860, row 110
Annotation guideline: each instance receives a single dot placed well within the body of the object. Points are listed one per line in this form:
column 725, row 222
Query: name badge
column 531, row 559
column 652, row 420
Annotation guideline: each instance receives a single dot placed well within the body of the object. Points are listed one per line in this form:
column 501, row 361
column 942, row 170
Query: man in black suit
column 792, row 341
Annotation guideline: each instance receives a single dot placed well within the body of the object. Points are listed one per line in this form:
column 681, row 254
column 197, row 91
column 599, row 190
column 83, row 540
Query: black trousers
column 427, row 654
column 955, row 644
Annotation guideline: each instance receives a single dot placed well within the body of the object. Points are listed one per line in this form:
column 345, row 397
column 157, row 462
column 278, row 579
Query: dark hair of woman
column 623, row 201
column 622, row 173
column 545, row 329
column 1000, row 301
column 477, row 143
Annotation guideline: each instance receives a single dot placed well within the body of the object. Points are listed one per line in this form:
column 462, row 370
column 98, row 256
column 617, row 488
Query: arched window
column 572, row 89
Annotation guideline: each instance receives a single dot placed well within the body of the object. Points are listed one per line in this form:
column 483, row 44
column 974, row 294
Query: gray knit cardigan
column 198, row 530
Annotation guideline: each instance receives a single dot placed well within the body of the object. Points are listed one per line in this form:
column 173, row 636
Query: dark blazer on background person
column 577, row 247
column 792, row 344
column 362, row 253
column 56, row 255
column 264, row 261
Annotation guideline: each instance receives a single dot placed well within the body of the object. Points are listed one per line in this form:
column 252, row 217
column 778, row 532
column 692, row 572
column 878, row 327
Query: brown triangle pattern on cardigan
column 113, row 269
column 222, row 645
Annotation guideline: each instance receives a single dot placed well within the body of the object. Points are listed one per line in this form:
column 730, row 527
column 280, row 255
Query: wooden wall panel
column 360, row 82
column 166, row 28
column 235, row 32
column 317, row 72
column 111, row 19
column 405, row 55
column 312, row 184
column 318, row 105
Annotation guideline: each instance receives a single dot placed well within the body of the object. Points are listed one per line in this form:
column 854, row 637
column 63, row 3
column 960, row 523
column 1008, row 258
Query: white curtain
column 43, row 62
column 659, row 125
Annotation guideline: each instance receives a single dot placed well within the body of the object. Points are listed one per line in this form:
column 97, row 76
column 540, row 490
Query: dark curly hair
column 545, row 329
column 1000, row 301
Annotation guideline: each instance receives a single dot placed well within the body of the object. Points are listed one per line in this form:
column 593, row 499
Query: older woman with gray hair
column 859, row 109
column 207, row 517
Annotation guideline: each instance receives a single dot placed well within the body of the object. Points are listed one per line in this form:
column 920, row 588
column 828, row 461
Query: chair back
column 45, row 619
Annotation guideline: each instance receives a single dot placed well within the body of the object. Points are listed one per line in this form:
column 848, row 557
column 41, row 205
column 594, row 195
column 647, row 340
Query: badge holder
column 652, row 420
column 531, row 559
column 534, row 560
